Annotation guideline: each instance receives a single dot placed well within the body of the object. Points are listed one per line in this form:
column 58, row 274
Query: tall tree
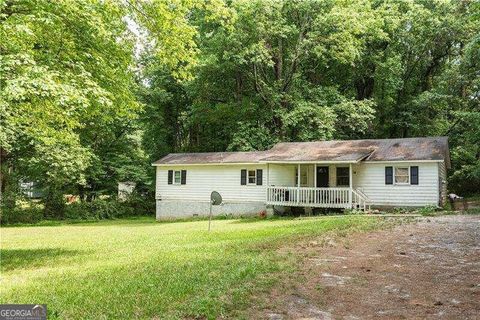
column 308, row 70
column 66, row 84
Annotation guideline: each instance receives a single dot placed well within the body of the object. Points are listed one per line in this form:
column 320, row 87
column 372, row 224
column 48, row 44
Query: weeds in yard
column 428, row 211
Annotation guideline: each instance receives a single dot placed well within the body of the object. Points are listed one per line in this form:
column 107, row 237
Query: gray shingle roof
column 404, row 149
column 213, row 157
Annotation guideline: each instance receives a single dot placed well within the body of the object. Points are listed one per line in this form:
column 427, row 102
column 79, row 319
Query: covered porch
column 317, row 185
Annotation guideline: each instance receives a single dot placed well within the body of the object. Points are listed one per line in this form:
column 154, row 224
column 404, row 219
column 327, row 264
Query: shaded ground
column 424, row 270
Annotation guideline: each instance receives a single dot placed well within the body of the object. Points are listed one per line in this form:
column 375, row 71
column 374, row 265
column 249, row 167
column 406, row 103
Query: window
column 252, row 177
column 402, row 175
column 303, row 176
column 177, row 177
column 343, row 177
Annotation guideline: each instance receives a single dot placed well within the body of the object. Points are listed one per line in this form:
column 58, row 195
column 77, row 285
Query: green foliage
column 139, row 204
column 310, row 70
column 55, row 204
column 56, row 209
column 353, row 212
column 97, row 209
column 85, row 103
column 24, row 213
column 100, row 209
column 428, row 210
column 67, row 100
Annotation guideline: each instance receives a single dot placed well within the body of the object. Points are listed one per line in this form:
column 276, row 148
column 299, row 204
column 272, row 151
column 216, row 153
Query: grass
column 139, row 268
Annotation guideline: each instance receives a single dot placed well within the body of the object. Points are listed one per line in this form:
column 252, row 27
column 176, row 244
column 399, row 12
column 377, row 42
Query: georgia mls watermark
column 23, row 311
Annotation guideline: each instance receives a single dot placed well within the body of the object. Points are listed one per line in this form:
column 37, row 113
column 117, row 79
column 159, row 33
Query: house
column 321, row 174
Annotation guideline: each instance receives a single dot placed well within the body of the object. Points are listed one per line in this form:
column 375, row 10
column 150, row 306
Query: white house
column 322, row 174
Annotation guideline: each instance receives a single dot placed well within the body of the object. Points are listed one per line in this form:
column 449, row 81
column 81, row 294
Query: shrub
column 26, row 213
column 54, row 204
column 97, row 209
column 139, row 205
column 353, row 211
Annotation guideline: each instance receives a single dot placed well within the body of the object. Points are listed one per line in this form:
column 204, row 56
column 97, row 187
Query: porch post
column 351, row 186
column 315, row 176
column 298, row 183
column 268, row 182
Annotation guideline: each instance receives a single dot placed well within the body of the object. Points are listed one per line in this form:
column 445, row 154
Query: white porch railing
column 360, row 200
column 309, row 197
column 316, row 197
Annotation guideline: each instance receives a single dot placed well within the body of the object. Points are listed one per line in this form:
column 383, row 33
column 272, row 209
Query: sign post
column 215, row 200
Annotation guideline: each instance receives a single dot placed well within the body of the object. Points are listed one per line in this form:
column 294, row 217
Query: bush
column 353, row 211
column 22, row 214
column 139, row 204
column 97, row 209
column 54, row 204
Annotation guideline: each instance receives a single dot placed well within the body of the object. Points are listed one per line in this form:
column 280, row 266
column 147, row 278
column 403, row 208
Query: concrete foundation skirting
column 170, row 209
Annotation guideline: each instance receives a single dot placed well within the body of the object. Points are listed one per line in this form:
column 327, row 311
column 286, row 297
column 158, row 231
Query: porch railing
column 317, row 197
column 309, row 197
column 360, row 200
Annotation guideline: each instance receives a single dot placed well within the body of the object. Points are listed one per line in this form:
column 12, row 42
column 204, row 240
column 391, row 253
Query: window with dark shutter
column 414, row 175
column 170, row 176
column 388, row 175
column 243, row 177
column 184, row 177
column 259, row 177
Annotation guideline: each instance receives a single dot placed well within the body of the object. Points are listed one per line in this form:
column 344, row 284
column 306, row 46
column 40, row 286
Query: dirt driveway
column 424, row 270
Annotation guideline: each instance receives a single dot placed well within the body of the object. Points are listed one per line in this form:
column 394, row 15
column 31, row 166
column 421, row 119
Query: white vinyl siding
column 370, row 178
column 282, row 175
column 202, row 180
column 367, row 177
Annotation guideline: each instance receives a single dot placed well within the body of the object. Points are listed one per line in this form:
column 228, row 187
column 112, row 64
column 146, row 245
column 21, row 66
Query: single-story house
column 321, row 174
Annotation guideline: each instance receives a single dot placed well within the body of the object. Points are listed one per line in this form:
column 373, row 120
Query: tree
column 310, row 70
column 66, row 82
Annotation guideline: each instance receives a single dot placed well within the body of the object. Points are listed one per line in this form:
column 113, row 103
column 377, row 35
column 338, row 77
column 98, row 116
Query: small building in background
column 30, row 189
column 125, row 188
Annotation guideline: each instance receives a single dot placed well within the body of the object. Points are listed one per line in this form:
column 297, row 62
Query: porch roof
column 322, row 151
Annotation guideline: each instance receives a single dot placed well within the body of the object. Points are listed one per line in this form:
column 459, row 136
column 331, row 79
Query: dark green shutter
column 170, row 176
column 388, row 175
column 414, row 175
column 259, row 177
column 243, row 177
column 183, row 179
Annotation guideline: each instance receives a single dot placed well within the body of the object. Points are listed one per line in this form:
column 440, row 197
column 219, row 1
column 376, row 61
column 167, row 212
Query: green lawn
column 143, row 269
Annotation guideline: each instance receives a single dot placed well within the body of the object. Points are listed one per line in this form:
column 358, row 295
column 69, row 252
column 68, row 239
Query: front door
column 322, row 177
